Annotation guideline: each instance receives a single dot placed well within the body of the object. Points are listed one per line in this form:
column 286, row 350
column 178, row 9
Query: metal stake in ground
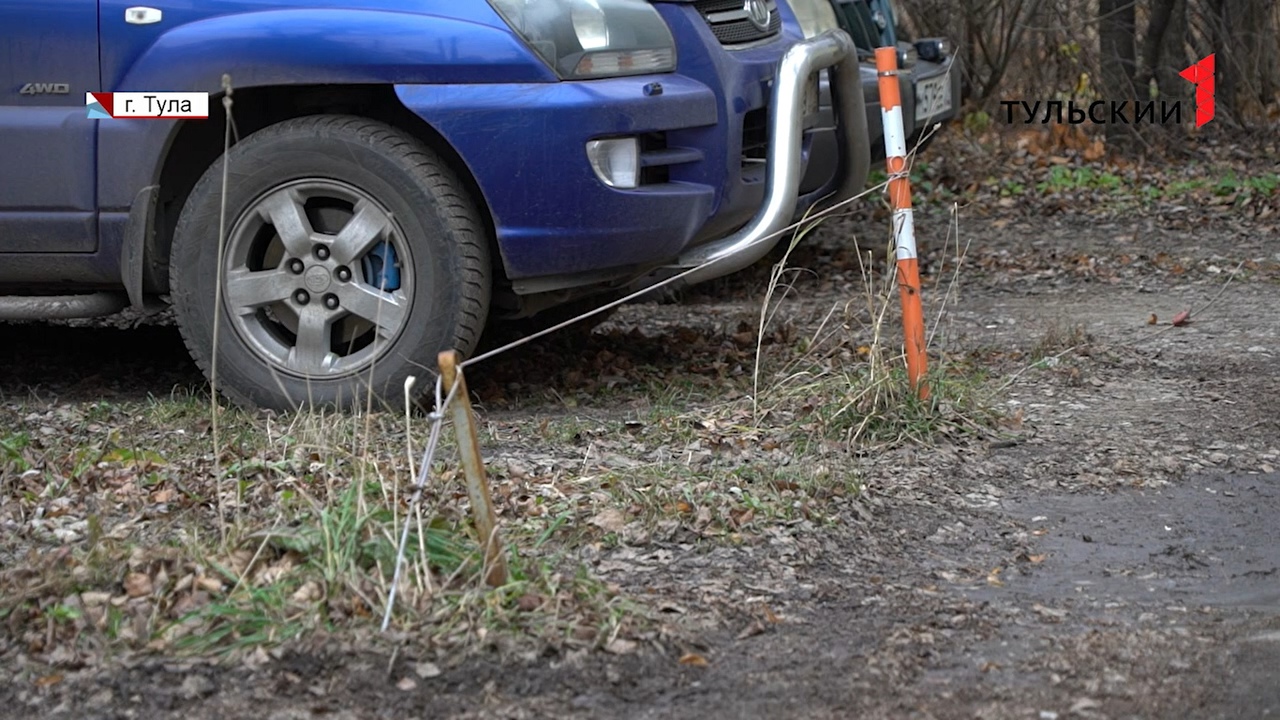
column 904, row 233
column 473, row 467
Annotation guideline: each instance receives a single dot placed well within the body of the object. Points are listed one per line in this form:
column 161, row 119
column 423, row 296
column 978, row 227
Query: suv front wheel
column 353, row 256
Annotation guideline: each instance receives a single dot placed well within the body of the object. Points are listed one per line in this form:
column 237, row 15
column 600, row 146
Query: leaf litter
column 638, row 454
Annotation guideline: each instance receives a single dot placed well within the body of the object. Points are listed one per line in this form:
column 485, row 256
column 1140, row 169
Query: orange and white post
column 904, row 234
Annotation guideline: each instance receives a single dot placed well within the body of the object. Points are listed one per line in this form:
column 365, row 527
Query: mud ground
column 1117, row 557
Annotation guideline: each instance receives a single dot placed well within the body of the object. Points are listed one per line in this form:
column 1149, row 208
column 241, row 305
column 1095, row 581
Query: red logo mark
column 1201, row 75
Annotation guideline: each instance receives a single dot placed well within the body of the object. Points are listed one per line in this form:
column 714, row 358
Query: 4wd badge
column 45, row 89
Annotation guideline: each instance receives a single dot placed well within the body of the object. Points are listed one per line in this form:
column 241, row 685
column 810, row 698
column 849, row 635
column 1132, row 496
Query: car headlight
column 583, row 39
column 815, row 16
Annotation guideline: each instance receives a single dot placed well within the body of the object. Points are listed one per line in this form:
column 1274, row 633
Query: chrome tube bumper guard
column 833, row 49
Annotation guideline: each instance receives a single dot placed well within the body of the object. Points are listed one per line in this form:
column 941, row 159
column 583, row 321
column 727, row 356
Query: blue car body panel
column 270, row 42
column 509, row 135
column 568, row 221
column 373, row 45
column 48, row 192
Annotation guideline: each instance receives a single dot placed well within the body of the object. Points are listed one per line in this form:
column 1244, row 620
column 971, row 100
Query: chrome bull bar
column 832, row 49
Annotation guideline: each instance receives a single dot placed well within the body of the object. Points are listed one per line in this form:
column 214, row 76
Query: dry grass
column 312, row 518
column 165, row 536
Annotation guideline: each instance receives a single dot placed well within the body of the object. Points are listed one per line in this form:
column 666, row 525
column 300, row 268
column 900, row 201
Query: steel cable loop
column 436, row 418
column 442, row 404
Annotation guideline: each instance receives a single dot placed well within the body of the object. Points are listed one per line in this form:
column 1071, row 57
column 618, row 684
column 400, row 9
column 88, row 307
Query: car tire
column 352, row 257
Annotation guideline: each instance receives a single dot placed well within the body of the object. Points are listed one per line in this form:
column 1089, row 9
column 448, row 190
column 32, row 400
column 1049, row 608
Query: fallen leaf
column 48, row 680
column 196, row 686
column 1181, row 318
column 1048, row 613
column 210, row 584
column 406, row 684
column 137, row 585
column 1084, row 704
column 993, row 577
column 621, row 646
column 309, row 592
column 610, row 520
column 693, row 659
column 427, row 670
column 1037, row 558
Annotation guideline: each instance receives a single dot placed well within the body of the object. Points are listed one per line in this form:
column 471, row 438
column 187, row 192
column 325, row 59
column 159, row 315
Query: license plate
column 933, row 97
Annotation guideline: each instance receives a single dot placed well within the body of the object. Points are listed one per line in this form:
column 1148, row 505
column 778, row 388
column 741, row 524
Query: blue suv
column 396, row 175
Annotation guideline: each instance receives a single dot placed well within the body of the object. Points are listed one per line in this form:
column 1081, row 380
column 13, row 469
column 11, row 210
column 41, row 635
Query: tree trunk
column 1153, row 43
column 1252, row 47
column 1164, row 55
column 1172, row 58
column 1119, row 64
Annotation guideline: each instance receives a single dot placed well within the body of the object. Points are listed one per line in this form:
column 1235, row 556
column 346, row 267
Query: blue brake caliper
column 380, row 267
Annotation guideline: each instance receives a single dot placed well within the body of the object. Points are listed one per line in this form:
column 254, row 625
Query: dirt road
column 1115, row 556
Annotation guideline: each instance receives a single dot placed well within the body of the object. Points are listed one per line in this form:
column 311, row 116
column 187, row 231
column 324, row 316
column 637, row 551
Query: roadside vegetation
column 744, row 412
column 126, row 529
column 129, row 529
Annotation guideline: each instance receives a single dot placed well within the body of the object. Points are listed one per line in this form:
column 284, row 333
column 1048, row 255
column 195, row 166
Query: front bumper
column 703, row 133
column 524, row 146
column 835, row 51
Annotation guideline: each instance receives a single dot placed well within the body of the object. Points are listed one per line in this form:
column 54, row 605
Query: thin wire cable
column 428, row 456
column 650, row 288
column 217, row 312
column 437, row 417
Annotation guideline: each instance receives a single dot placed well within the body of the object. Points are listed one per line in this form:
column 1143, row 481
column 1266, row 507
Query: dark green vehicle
column 930, row 70
column 929, row 75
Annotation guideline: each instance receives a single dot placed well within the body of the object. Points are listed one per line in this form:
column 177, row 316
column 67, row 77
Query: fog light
column 934, row 49
column 616, row 161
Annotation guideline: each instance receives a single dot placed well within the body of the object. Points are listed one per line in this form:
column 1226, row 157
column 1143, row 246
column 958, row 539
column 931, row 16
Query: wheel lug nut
column 344, row 274
column 322, row 252
column 296, row 267
column 331, row 301
column 302, row 297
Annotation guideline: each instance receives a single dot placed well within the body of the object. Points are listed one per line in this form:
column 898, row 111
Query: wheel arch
column 192, row 147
